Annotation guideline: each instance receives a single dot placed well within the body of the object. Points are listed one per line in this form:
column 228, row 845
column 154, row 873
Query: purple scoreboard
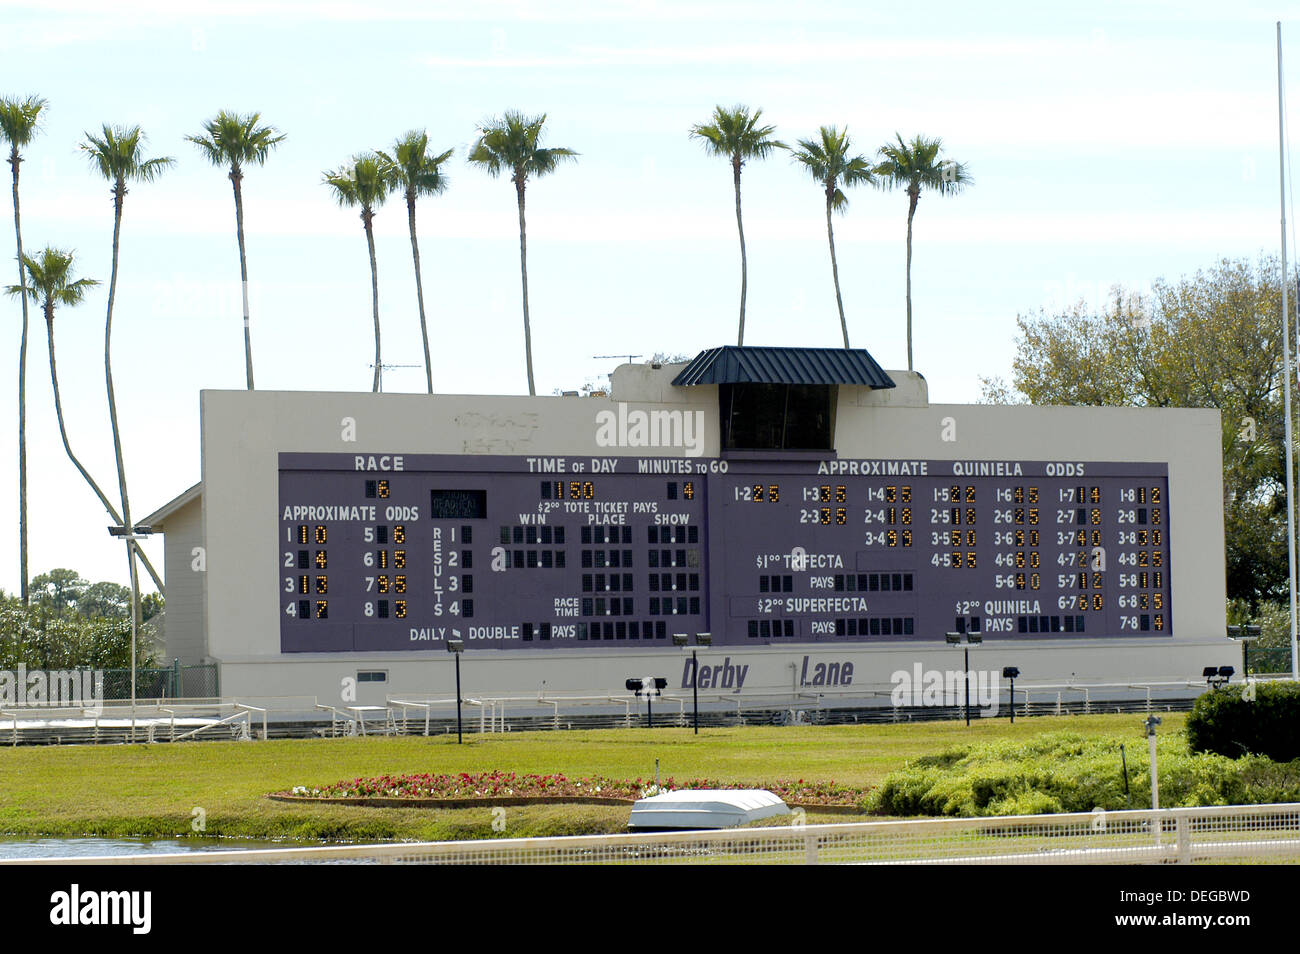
column 403, row 551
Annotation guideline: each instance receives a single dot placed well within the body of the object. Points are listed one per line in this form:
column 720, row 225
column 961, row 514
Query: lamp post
column 1245, row 634
column 1010, row 672
column 456, row 647
column 130, row 534
column 701, row 639
column 966, row 641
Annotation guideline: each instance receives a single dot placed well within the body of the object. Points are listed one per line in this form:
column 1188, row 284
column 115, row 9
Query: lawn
column 163, row 790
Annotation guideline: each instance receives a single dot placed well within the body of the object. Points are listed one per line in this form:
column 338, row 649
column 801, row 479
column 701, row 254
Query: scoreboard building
column 817, row 516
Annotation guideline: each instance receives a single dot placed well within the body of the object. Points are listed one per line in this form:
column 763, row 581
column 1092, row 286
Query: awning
column 736, row 365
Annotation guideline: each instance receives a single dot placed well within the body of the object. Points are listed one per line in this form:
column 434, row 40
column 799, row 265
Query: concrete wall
column 183, row 637
column 243, row 432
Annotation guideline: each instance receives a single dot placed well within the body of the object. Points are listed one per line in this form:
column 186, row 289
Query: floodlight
column 455, row 645
column 703, row 639
column 679, row 639
column 1010, row 672
column 953, row 638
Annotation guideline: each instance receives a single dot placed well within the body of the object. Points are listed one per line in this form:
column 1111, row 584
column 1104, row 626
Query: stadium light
column 456, row 647
column 683, row 641
column 648, row 686
column 1011, row 672
column 1245, row 634
column 1216, row 676
column 966, row 641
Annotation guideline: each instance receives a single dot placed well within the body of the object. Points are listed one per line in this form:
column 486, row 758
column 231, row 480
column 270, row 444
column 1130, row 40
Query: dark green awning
column 736, row 365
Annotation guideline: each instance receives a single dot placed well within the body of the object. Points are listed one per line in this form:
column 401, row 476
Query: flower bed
column 490, row 786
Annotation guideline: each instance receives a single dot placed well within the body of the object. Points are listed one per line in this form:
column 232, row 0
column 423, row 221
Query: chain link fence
column 1272, row 659
column 174, row 682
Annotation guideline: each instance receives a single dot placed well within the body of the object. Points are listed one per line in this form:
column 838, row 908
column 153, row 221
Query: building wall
column 183, row 637
column 244, row 431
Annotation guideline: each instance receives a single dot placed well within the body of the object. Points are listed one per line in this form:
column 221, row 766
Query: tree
column 49, row 283
column 512, row 144
column 417, row 173
column 829, row 163
column 1212, row 340
column 365, row 182
column 233, row 141
column 106, row 600
column 736, row 135
column 915, row 166
column 60, row 590
column 19, row 120
column 117, row 155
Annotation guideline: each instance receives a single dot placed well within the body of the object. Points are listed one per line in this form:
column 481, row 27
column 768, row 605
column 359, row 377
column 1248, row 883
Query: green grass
column 152, row 791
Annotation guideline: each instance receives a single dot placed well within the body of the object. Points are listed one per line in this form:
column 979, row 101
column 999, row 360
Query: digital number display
column 457, row 504
column 531, row 553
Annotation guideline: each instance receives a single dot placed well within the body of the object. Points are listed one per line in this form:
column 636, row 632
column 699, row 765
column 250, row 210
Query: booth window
column 776, row 416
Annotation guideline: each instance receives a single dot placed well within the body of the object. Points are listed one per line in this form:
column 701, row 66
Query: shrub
column 1231, row 723
column 1063, row 772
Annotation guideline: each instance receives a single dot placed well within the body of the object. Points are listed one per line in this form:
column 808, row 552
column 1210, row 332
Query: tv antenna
column 383, row 366
column 597, row 357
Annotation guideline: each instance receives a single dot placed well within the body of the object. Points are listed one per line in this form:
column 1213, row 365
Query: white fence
column 1242, row 833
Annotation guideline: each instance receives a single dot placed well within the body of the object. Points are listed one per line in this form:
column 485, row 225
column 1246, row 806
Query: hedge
column 1261, row 718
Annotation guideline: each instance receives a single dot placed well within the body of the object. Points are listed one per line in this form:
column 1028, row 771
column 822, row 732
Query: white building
column 837, row 525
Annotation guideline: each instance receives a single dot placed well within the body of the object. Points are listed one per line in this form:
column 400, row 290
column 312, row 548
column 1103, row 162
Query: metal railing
column 1242, row 833
column 410, row 714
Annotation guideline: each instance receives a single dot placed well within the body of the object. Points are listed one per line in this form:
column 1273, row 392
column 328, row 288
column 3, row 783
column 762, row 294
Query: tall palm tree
column 512, row 144
column 233, row 141
column 735, row 134
column 417, row 173
column 116, row 154
column 18, row 122
column 47, row 282
column 914, row 166
column 365, row 181
column 830, row 164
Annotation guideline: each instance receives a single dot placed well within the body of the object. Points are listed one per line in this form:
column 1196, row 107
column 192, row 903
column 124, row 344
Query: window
column 776, row 416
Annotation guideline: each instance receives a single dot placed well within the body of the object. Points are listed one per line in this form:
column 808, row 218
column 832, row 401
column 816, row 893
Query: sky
column 1109, row 144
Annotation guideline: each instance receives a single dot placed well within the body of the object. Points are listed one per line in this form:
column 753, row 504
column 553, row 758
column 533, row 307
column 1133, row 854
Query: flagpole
column 1286, row 368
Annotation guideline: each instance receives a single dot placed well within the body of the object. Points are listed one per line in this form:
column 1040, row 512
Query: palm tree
column 829, row 163
column 116, row 155
column 914, row 166
column 417, row 173
column 48, row 282
column 233, row 142
column 365, row 181
column 511, row 144
column 18, row 122
column 736, row 134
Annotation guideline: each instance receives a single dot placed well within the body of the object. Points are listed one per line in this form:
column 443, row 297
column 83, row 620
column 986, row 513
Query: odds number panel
column 902, row 550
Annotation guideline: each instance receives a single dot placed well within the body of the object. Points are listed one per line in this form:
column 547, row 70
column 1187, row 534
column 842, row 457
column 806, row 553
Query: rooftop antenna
column 596, row 357
column 382, row 366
